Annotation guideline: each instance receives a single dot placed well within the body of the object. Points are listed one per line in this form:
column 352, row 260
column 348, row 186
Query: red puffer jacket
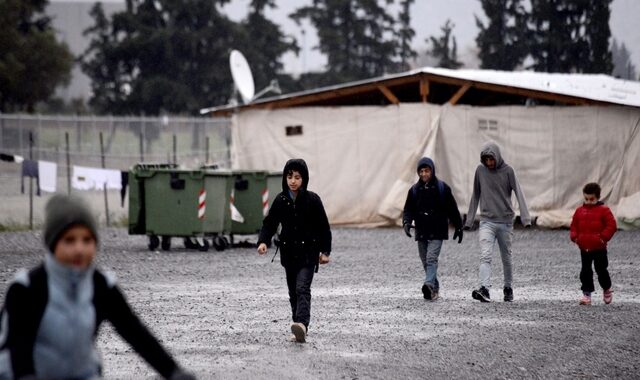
column 592, row 227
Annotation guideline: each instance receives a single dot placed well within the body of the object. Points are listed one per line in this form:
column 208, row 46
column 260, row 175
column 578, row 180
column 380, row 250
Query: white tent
column 362, row 158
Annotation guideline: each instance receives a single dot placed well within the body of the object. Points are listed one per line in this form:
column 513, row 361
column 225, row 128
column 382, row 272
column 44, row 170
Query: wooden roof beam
column 536, row 94
column 460, row 93
column 424, row 89
column 388, row 94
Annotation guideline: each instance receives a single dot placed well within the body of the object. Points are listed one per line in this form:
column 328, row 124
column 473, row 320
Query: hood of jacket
column 492, row 149
column 424, row 162
column 295, row 164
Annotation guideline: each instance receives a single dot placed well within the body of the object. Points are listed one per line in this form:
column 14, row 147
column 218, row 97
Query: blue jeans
column 429, row 252
column 488, row 234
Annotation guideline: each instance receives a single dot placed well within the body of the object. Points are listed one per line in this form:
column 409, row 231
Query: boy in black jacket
column 52, row 313
column 431, row 205
column 305, row 240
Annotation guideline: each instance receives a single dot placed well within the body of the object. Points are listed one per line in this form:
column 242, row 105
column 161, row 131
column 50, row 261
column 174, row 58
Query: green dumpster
column 173, row 202
column 252, row 194
column 136, row 195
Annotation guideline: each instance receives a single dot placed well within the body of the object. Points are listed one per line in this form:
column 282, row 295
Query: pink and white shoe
column 585, row 300
column 607, row 296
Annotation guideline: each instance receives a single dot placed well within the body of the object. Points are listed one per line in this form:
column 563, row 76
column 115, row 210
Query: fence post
column 104, row 186
column 206, row 156
column 66, row 139
column 30, row 182
column 175, row 148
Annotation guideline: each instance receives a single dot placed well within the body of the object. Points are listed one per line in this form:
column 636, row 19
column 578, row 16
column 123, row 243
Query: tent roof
column 466, row 86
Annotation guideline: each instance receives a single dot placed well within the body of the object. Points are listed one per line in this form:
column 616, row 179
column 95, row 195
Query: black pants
column 600, row 262
column 299, row 283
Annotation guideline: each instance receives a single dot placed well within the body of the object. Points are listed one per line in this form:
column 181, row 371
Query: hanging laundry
column 47, row 173
column 125, row 182
column 7, row 157
column 30, row 169
column 85, row 178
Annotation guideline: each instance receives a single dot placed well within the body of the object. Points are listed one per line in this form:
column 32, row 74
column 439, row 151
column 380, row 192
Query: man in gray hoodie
column 493, row 184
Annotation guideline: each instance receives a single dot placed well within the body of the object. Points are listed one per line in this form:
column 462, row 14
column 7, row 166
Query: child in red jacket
column 592, row 226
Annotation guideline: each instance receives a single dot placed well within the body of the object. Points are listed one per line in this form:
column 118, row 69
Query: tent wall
column 362, row 159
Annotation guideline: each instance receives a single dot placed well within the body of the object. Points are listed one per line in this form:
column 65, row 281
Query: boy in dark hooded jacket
column 432, row 206
column 305, row 240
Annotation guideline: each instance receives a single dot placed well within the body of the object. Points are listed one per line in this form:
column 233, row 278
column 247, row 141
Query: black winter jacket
column 305, row 228
column 432, row 206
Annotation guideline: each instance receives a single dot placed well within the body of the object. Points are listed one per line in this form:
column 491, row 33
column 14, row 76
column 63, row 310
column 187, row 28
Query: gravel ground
column 226, row 314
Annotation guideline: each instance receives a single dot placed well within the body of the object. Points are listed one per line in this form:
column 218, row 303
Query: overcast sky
column 427, row 17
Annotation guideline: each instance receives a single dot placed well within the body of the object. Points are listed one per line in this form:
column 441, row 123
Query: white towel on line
column 85, row 178
column 47, row 172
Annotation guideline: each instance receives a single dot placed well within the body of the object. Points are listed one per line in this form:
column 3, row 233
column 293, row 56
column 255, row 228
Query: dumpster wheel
column 203, row 245
column 154, row 242
column 166, row 243
column 219, row 243
column 190, row 244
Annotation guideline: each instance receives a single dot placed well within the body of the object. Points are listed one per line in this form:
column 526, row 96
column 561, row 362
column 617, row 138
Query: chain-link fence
column 88, row 140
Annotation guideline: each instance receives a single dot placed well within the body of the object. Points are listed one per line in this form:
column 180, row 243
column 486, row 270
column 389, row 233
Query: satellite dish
column 242, row 76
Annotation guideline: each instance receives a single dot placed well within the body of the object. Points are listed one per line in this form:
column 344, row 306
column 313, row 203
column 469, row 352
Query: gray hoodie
column 492, row 189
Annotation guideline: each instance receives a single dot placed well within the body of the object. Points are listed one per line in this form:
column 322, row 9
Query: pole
column 30, row 182
column 175, row 149
column 104, row 186
column 206, row 156
column 66, row 139
column 141, row 147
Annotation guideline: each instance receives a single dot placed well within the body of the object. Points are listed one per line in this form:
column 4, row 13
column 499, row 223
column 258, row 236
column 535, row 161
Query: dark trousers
column 299, row 283
column 600, row 262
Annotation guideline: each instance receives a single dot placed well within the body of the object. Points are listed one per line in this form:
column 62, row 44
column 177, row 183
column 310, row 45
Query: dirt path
column 226, row 314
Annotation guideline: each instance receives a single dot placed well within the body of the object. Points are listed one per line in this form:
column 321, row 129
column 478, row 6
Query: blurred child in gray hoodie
column 493, row 184
column 52, row 313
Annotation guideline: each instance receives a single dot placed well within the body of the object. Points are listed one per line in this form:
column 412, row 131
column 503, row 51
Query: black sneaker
column 426, row 291
column 508, row 295
column 481, row 294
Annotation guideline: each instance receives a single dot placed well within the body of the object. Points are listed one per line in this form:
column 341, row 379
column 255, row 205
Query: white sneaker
column 299, row 331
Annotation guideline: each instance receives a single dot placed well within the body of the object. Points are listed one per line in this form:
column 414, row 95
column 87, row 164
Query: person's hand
column 407, row 229
column 458, row 234
column 262, row 249
column 324, row 259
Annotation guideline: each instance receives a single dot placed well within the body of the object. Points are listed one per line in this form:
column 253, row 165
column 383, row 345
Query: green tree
column 32, row 62
column 161, row 56
column 357, row 36
column 596, row 58
column 571, row 36
column 623, row 67
column 405, row 35
column 503, row 41
column 446, row 55
column 265, row 45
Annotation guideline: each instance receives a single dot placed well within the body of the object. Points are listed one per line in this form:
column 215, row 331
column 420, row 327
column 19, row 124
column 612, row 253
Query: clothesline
column 83, row 178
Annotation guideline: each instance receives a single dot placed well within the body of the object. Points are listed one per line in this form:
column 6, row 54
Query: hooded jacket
column 492, row 189
column 592, row 227
column 432, row 206
column 305, row 227
column 36, row 337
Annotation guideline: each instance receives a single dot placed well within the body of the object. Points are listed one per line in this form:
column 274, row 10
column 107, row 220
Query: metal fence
column 88, row 140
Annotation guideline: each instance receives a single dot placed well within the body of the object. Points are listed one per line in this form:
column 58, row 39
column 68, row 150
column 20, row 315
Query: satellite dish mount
column 243, row 80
